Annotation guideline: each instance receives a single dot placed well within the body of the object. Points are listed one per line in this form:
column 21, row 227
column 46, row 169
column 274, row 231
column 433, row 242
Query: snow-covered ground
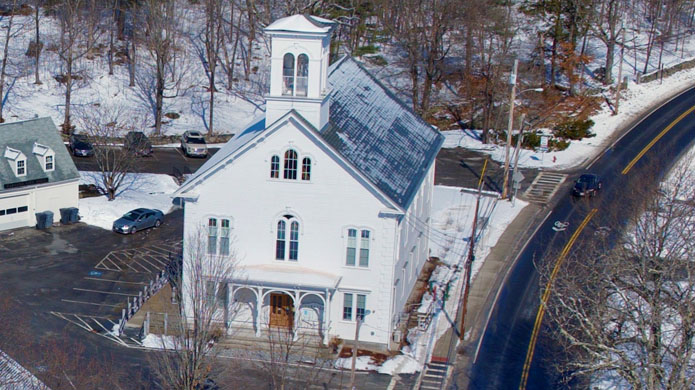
column 139, row 190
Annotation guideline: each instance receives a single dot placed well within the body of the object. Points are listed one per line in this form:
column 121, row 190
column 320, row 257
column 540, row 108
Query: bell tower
column 300, row 47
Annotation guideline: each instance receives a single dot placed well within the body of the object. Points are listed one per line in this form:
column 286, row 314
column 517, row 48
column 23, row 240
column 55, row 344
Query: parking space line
column 104, row 292
column 90, row 303
column 62, row 314
column 115, row 281
column 157, row 259
column 153, row 265
column 136, row 260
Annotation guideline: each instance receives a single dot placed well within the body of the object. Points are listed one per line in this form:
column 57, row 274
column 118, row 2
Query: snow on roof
column 40, row 149
column 15, row 377
column 256, row 127
column 289, row 275
column 378, row 133
column 12, row 153
column 302, row 24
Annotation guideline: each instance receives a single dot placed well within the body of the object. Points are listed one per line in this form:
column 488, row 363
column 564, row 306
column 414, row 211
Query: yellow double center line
column 546, row 296
column 655, row 140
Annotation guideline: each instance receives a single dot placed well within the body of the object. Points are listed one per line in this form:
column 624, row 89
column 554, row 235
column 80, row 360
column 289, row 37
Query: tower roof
column 307, row 24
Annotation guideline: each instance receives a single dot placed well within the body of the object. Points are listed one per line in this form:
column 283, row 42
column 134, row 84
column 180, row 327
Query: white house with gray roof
column 36, row 172
column 325, row 199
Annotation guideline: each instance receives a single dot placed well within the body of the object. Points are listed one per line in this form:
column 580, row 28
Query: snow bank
column 139, row 190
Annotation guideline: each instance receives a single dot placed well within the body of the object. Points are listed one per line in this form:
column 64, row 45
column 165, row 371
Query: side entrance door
column 281, row 310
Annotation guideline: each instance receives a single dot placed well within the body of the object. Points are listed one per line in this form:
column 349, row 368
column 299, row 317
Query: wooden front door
column 281, row 310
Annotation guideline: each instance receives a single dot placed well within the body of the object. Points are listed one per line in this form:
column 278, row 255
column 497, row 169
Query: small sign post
column 545, row 140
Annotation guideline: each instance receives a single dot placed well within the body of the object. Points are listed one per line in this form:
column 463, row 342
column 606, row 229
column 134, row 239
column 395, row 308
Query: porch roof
column 287, row 276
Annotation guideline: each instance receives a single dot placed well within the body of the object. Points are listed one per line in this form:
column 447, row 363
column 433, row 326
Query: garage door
column 14, row 212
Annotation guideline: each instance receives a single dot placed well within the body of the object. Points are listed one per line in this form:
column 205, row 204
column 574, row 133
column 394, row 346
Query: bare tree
column 202, row 285
column 103, row 125
column 623, row 305
column 160, row 39
column 36, row 46
column 212, row 38
column 11, row 32
column 293, row 361
column 78, row 36
column 421, row 29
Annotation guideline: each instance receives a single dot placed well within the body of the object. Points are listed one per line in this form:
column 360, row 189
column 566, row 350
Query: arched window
column 275, row 167
column 302, row 75
column 287, row 248
column 280, row 241
column 306, row 168
column 290, row 165
column 288, row 75
column 294, row 240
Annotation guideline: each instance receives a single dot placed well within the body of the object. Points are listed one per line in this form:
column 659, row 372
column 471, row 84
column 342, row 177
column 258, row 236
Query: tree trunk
column 37, row 80
column 4, row 61
column 131, row 62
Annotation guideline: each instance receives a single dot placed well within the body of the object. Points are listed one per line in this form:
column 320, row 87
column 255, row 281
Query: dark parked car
column 588, row 184
column 138, row 219
column 137, row 142
column 80, row 146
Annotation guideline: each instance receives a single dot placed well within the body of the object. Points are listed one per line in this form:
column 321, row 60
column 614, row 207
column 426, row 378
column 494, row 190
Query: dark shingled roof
column 378, row 133
column 22, row 136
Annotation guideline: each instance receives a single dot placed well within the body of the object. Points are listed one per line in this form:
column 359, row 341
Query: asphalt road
column 169, row 161
column 505, row 343
column 454, row 167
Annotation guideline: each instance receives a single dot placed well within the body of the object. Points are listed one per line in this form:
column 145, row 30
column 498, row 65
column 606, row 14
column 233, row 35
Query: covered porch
column 282, row 297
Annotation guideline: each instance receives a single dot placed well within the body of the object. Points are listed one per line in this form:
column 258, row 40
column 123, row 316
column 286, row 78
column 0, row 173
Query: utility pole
column 512, row 81
column 468, row 269
column 517, row 152
column 620, row 73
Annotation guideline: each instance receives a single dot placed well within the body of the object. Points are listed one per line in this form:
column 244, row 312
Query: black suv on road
column 588, row 184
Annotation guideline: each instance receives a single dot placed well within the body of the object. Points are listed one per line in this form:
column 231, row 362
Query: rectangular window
column 347, row 307
column 224, row 238
column 209, row 292
column 364, row 249
column 222, row 295
column 212, row 236
column 2, row 212
column 22, row 209
column 21, row 170
column 11, row 211
column 351, row 247
column 49, row 163
column 361, row 306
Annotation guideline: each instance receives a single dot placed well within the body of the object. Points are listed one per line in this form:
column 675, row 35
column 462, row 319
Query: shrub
column 362, row 50
column 574, row 129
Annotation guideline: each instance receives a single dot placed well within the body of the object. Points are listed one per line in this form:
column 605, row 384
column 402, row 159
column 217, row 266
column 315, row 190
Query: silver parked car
column 193, row 144
column 138, row 219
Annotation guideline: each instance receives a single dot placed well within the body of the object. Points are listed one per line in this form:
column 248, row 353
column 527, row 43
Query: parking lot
column 83, row 275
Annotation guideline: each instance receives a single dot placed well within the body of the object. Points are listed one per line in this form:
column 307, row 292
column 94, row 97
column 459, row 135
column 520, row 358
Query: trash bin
column 65, row 216
column 40, row 220
column 74, row 215
column 49, row 219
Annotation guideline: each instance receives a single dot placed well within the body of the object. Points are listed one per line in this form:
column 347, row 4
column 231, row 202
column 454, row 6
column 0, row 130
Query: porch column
column 295, row 328
column 227, row 302
column 259, row 309
column 326, row 316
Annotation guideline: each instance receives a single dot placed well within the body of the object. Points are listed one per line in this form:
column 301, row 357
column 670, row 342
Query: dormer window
column 295, row 79
column 45, row 155
column 48, row 163
column 17, row 160
column 21, row 168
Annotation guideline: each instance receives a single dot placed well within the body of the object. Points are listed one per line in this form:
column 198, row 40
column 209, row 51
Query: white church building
column 324, row 200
